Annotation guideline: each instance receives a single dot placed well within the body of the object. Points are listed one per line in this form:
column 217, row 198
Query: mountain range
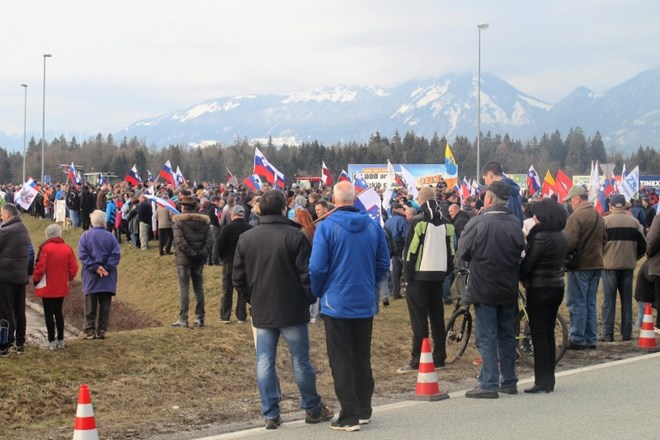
column 627, row 115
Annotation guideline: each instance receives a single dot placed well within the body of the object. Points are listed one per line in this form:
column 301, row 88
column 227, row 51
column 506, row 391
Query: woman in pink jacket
column 56, row 265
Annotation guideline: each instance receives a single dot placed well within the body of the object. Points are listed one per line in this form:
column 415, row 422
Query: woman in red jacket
column 56, row 265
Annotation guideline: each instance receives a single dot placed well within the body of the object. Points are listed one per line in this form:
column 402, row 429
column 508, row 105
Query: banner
column 60, row 211
column 423, row 174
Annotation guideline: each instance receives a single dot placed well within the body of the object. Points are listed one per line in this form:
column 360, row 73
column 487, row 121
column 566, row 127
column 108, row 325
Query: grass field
column 148, row 378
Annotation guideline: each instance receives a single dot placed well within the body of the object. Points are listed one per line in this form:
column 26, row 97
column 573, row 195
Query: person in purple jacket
column 99, row 255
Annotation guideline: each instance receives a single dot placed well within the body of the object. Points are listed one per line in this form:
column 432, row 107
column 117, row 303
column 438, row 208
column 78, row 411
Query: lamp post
column 43, row 121
column 481, row 27
column 24, row 131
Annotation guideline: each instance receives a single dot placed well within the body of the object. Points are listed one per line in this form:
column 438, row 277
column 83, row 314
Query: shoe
column 657, row 330
column 322, row 414
column 573, row 346
column 100, row 335
column 606, row 338
column 480, row 393
column 87, row 335
column 626, row 338
column 198, row 323
column 344, row 427
column 4, row 353
column 407, row 369
column 18, row 349
column 241, row 321
column 225, row 321
column 591, row 347
column 365, row 421
column 508, row 390
column 439, row 365
column 478, row 361
column 52, row 345
column 273, row 423
column 386, row 302
column 182, row 324
column 59, row 344
column 540, row 388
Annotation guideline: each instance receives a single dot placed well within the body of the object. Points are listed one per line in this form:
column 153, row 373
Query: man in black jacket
column 145, row 213
column 73, row 205
column 87, row 202
column 227, row 246
column 271, row 271
column 491, row 244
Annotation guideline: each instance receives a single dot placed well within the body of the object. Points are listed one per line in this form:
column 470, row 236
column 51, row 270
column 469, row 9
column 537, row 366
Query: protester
column 542, row 275
column 271, row 273
column 625, row 245
column 86, row 206
column 493, row 172
column 73, row 205
column 144, row 213
column 165, row 234
column 55, row 267
column 653, row 254
column 349, row 258
column 398, row 227
column 192, row 245
column 99, row 255
column 428, row 258
column 304, row 219
column 16, row 265
column 227, row 247
column 585, row 233
column 491, row 244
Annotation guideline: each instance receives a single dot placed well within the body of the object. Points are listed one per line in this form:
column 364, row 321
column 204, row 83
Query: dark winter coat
column 192, row 238
column 229, row 239
column 14, row 252
column 543, row 265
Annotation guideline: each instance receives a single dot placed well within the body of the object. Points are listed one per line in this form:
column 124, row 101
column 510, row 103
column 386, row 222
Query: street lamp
column 481, row 27
column 43, row 121
column 24, row 131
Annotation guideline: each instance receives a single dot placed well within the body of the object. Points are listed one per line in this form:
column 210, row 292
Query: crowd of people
column 291, row 256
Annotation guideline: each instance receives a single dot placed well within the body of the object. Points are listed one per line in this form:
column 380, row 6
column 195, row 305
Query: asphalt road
column 617, row 400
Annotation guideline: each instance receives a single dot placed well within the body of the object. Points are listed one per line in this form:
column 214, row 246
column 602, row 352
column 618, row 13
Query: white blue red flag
column 369, row 202
column 533, row 181
column 150, row 178
column 133, row 177
column 102, row 179
column 265, row 169
column 167, row 174
column 253, row 182
column 343, row 177
column 169, row 204
column 359, row 183
column 72, row 173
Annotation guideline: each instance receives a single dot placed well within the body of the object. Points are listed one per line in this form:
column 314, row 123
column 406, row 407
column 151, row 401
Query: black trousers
column 397, row 270
column 227, row 297
column 12, row 309
column 425, row 305
column 165, row 237
column 542, row 306
column 348, row 342
column 54, row 317
column 102, row 301
column 657, row 302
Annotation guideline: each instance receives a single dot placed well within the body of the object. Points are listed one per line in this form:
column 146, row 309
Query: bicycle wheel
column 524, row 346
column 458, row 330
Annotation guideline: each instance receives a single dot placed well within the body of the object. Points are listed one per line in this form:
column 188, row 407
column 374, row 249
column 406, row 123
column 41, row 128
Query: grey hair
column 344, row 193
column 53, row 231
column 497, row 201
column 97, row 218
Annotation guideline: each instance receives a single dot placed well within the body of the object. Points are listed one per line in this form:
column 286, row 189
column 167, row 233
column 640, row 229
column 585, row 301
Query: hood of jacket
column 513, row 186
column 191, row 217
column 431, row 213
column 350, row 218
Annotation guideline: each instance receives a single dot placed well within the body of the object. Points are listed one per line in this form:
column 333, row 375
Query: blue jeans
column 297, row 339
column 446, row 288
column 75, row 218
column 621, row 280
column 185, row 274
column 497, row 343
column 581, row 301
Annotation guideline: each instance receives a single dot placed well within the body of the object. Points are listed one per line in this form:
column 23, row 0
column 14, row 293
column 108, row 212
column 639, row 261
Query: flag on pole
column 391, row 175
column 168, row 204
column 563, row 184
column 410, row 182
column 231, row 179
column 71, row 172
column 167, row 174
column 465, row 190
column 449, row 157
column 343, row 177
column 178, row 177
column 25, row 196
column 150, row 178
column 265, row 169
column 623, row 171
column 326, row 176
column 369, row 202
column 533, row 181
column 359, row 183
column 253, row 182
column 548, row 187
column 629, row 186
column 102, row 179
column 594, row 182
column 132, row 177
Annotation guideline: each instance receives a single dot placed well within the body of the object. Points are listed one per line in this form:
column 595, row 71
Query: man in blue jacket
column 398, row 226
column 349, row 258
column 493, row 172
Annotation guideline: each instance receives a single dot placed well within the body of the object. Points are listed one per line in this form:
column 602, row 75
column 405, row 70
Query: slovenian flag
column 343, row 177
column 369, row 202
column 533, row 181
column 150, row 178
column 465, row 190
column 253, row 182
column 72, row 173
column 178, row 177
column 167, row 174
column 359, row 183
column 133, row 177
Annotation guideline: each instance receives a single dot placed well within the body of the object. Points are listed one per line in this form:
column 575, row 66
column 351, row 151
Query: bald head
column 344, row 194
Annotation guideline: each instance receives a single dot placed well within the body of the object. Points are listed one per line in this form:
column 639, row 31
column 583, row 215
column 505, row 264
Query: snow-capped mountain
column 626, row 116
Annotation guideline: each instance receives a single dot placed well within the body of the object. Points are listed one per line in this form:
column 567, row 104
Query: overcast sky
column 117, row 62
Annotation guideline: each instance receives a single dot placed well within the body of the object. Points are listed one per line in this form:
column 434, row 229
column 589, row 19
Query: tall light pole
column 24, row 131
column 481, row 27
column 43, row 122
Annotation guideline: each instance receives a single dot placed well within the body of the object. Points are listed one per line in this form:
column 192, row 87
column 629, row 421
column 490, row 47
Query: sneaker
column 480, row 393
column 100, row 335
column 84, row 335
column 478, row 361
column 18, row 349
column 241, row 321
column 4, row 353
column 52, row 345
column 59, row 344
column 407, row 369
column 508, row 390
column 365, row 421
column 573, row 346
column 225, row 321
column 180, row 324
column 626, row 338
column 198, row 323
column 344, row 427
column 322, row 414
column 606, row 338
column 273, row 423
column 386, row 302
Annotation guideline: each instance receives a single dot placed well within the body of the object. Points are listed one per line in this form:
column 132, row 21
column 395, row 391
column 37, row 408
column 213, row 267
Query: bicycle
column 459, row 328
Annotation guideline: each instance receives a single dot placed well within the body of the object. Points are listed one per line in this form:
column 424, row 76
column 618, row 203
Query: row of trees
column 573, row 154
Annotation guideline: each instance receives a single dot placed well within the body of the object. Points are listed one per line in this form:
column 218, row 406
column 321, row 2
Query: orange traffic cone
column 427, row 379
column 85, row 426
column 647, row 333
